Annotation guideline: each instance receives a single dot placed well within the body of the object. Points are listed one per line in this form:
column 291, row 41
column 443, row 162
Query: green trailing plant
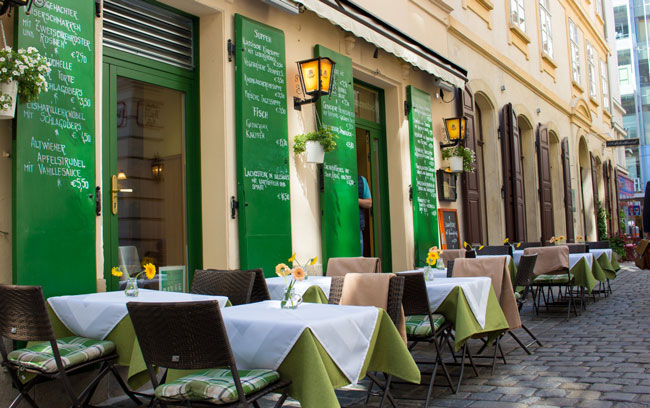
column 621, row 221
column 601, row 221
column 324, row 136
column 468, row 155
column 617, row 243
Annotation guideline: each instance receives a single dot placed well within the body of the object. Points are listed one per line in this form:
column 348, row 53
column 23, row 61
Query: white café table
column 277, row 286
column 573, row 258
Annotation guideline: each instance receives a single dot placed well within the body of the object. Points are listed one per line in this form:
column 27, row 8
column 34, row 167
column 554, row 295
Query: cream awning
column 390, row 40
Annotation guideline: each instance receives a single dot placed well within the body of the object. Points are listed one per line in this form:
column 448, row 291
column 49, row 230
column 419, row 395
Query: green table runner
column 456, row 309
column 583, row 275
column 615, row 263
column 314, row 294
column 609, row 270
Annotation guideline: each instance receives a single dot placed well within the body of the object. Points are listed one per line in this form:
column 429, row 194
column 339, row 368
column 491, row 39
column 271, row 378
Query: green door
column 151, row 170
column 372, row 164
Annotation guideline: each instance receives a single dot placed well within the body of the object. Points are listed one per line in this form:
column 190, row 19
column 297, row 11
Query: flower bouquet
column 291, row 299
column 471, row 252
column 132, row 281
column 23, row 73
column 559, row 240
column 512, row 244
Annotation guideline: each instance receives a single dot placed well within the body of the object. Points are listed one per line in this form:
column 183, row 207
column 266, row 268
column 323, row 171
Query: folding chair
column 523, row 279
column 237, row 285
column 192, row 336
column 24, row 317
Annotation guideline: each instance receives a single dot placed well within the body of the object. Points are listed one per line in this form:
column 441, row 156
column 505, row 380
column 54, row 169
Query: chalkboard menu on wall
column 340, row 197
column 262, row 146
column 423, row 173
column 449, row 228
column 54, row 156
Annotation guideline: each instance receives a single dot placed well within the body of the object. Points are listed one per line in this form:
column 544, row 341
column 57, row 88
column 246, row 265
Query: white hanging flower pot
column 315, row 152
column 8, row 96
column 456, row 164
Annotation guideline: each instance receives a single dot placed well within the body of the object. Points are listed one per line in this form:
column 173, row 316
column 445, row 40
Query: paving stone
column 619, row 396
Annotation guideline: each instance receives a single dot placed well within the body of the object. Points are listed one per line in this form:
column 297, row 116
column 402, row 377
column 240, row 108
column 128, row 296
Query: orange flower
column 298, row 273
column 281, row 270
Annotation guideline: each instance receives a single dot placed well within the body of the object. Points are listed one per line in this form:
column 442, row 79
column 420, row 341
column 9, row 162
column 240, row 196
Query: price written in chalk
column 79, row 56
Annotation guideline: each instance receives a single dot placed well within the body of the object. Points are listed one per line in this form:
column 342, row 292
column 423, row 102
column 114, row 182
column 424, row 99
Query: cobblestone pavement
column 598, row 359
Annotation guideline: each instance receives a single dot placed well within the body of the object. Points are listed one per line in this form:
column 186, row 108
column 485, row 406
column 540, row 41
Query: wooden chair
column 192, row 336
column 24, row 317
column 237, row 285
column 422, row 325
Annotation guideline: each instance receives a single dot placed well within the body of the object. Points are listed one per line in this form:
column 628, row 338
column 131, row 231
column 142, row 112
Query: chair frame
column 524, row 277
column 198, row 329
column 260, row 291
column 24, row 317
column 237, row 285
column 495, row 250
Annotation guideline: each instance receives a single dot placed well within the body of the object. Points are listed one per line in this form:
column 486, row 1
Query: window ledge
column 594, row 100
column 521, row 34
column 549, row 60
column 607, row 113
column 600, row 19
column 487, row 4
column 577, row 86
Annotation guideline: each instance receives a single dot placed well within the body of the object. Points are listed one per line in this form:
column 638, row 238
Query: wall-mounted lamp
column 316, row 79
column 8, row 5
column 157, row 168
column 455, row 129
column 121, row 175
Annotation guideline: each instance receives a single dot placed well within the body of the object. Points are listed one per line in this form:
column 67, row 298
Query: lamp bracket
column 450, row 144
column 407, row 108
column 230, row 48
column 297, row 102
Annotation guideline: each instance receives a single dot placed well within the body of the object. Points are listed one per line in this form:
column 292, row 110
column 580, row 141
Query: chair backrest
column 394, row 301
column 260, row 288
column 450, row 268
column 494, row 250
column 578, row 248
column 470, row 254
column 598, row 245
column 181, row 335
column 237, row 285
column 415, row 298
column 23, row 315
column 341, row 266
column 524, row 245
column 525, row 270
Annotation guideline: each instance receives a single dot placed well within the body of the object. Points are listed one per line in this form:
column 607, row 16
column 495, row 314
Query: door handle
column 114, row 191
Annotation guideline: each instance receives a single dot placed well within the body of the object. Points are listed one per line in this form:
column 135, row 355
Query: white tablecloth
column 277, row 286
column 598, row 252
column 573, row 258
column 262, row 334
column 476, row 290
column 95, row 315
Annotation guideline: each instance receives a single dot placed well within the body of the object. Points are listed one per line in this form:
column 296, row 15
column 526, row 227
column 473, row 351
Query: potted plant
column 316, row 144
column 22, row 73
column 460, row 159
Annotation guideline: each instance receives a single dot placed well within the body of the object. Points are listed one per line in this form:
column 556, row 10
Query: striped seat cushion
column 216, row 385
column 74, row 350
column 419, row 325
column 548, row 279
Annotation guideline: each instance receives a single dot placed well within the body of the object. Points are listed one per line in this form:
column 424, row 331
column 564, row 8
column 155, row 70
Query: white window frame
column 545, row 27
column 518, row 14
column 574, row 48
column 604, row 82
column 599, row 8
column 591, row 70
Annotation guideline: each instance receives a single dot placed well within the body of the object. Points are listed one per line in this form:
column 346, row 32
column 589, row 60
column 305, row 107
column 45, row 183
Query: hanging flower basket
column 315, row 152
column 456, row 164
column 8, row 94
column 316, row 144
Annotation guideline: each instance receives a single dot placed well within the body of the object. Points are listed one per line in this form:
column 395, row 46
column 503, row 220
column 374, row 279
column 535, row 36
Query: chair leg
column 462, row 367
column 386, row 393
column 23, row 389
column 68, row 388
column 523, row 326
column 494, row 357
column 123, row 385
column 280, row 402
column 439, row 347
column 522, row 345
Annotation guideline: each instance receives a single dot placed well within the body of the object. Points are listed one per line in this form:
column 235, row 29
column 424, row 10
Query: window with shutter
column 568, row 198
column 471, row 188
column 545, row 182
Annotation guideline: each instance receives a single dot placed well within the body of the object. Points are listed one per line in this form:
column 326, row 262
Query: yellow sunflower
column 149, row 271
column 313, row 261
column 293, row 257
column 116, row 271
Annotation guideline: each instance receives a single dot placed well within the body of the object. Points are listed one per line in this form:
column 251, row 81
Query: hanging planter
column 315, row 152
column 456, row 164
column 316, row 144
column 460, row 159
column 8, row 94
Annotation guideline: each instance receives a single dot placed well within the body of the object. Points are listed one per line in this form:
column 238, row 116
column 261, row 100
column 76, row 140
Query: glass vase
column 291, row 299
column 131, row 288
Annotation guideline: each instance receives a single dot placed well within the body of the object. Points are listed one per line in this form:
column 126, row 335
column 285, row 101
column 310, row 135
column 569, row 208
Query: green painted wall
column 423, row 173
column 54, row 154
column 340, row 197
column 262, row 146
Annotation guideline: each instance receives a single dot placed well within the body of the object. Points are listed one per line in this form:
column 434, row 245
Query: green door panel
column 54, row 155
column 262, row 146
column 339, row 191
column 423, row 173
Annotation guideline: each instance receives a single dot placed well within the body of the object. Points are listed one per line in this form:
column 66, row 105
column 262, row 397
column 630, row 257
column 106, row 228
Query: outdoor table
column 607, row 261
column 586, row 273
column 307, row 362
column 314, row 289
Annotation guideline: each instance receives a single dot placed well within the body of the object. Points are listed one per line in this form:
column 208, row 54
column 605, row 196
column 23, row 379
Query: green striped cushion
column 216, row 385
column 419, row 325
column 546, row 279
column 74, row 350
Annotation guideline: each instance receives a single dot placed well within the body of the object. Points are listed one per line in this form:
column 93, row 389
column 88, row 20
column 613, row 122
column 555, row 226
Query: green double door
column 151, row 168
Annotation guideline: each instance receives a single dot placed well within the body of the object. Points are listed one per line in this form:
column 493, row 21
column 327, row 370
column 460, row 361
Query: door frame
column 117, row 63
column 378, row 130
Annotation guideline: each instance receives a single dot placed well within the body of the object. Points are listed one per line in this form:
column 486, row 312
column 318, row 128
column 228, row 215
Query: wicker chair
column 599, row 245
column 524, row 245
column 494, row 250
column 192, row 336
column 578, row 248
column 260, row 289
column 524, row 277
column 237, row 285
column 450, row 268
column 394, row 310
column 424, row 326
column 24, row 317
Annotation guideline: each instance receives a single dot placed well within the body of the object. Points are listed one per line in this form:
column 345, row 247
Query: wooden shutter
column 517, row 181
column 616, row 200
column 608, row 205
column 473, row 224
column 594, row 186
column 568, row 199
column 545, row 183
column 506, row 190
